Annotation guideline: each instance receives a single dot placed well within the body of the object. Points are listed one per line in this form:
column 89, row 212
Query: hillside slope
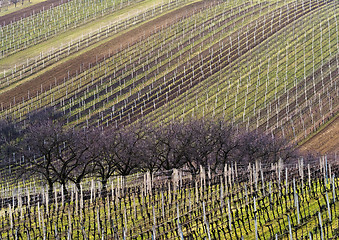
column 326, row 141
column 271, row 65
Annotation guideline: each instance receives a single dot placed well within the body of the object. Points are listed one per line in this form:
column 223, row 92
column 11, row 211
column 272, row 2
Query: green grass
column 245, row 99
column 244, row 92
column 7, row 10
column 74, row 34
column 125, row 57
column 150, row 5
column 274, row 203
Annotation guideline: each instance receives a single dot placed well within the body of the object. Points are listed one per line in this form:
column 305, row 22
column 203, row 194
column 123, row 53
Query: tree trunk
column 66, row 195
column 104, row 188
column 50, row 191
column 77, row 184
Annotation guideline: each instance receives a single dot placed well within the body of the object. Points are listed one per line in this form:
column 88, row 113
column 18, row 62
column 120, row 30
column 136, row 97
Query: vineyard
column 244, row 202
column 261, row 66
column 268, row 65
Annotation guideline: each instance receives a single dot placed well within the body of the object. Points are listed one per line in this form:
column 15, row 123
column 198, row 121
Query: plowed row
column 28, row 11
column 69, row 68
column 187, row 80
column 326, row 141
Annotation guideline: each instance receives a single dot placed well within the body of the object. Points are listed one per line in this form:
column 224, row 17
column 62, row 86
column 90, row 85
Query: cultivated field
column 244, row 202
column 266, row 66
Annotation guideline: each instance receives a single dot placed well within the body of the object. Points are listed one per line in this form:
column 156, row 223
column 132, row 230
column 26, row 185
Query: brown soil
column 71, row 67
column 28, row 11
column 162, row 68
column 324, row 142
column 127, row 115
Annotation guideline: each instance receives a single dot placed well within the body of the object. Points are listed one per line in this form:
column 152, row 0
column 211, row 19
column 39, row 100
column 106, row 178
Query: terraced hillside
column 271, row 65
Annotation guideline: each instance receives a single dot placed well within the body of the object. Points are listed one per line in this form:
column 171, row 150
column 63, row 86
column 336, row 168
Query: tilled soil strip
column 75, row 46
column 292, row 106
column 326, row 141
column 69, row 68
column 169, row 75
column 28, row 11
column 150, row 64
column 128, row 117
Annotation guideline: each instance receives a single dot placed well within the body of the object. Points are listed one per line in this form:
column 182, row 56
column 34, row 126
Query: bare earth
column 26, row 12
column 61, row 71
column 326, row 141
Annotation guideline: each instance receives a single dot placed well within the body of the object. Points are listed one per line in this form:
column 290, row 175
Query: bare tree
column 199, row 142
column 256, row 146
column 76, row 159
column 60, row 154
column 128, row 150
column 56, row 153
column 253, row 147
column 149, row 150
column 105, row 163
column 168, row 146
column 40, row 148
column 43, row 115
column 280, row 148
column 226, row 144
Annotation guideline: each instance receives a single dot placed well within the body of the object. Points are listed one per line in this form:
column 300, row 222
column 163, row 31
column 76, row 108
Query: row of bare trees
column 58, row 154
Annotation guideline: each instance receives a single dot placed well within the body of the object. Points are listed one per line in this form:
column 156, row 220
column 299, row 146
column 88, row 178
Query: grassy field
column 4, row 10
